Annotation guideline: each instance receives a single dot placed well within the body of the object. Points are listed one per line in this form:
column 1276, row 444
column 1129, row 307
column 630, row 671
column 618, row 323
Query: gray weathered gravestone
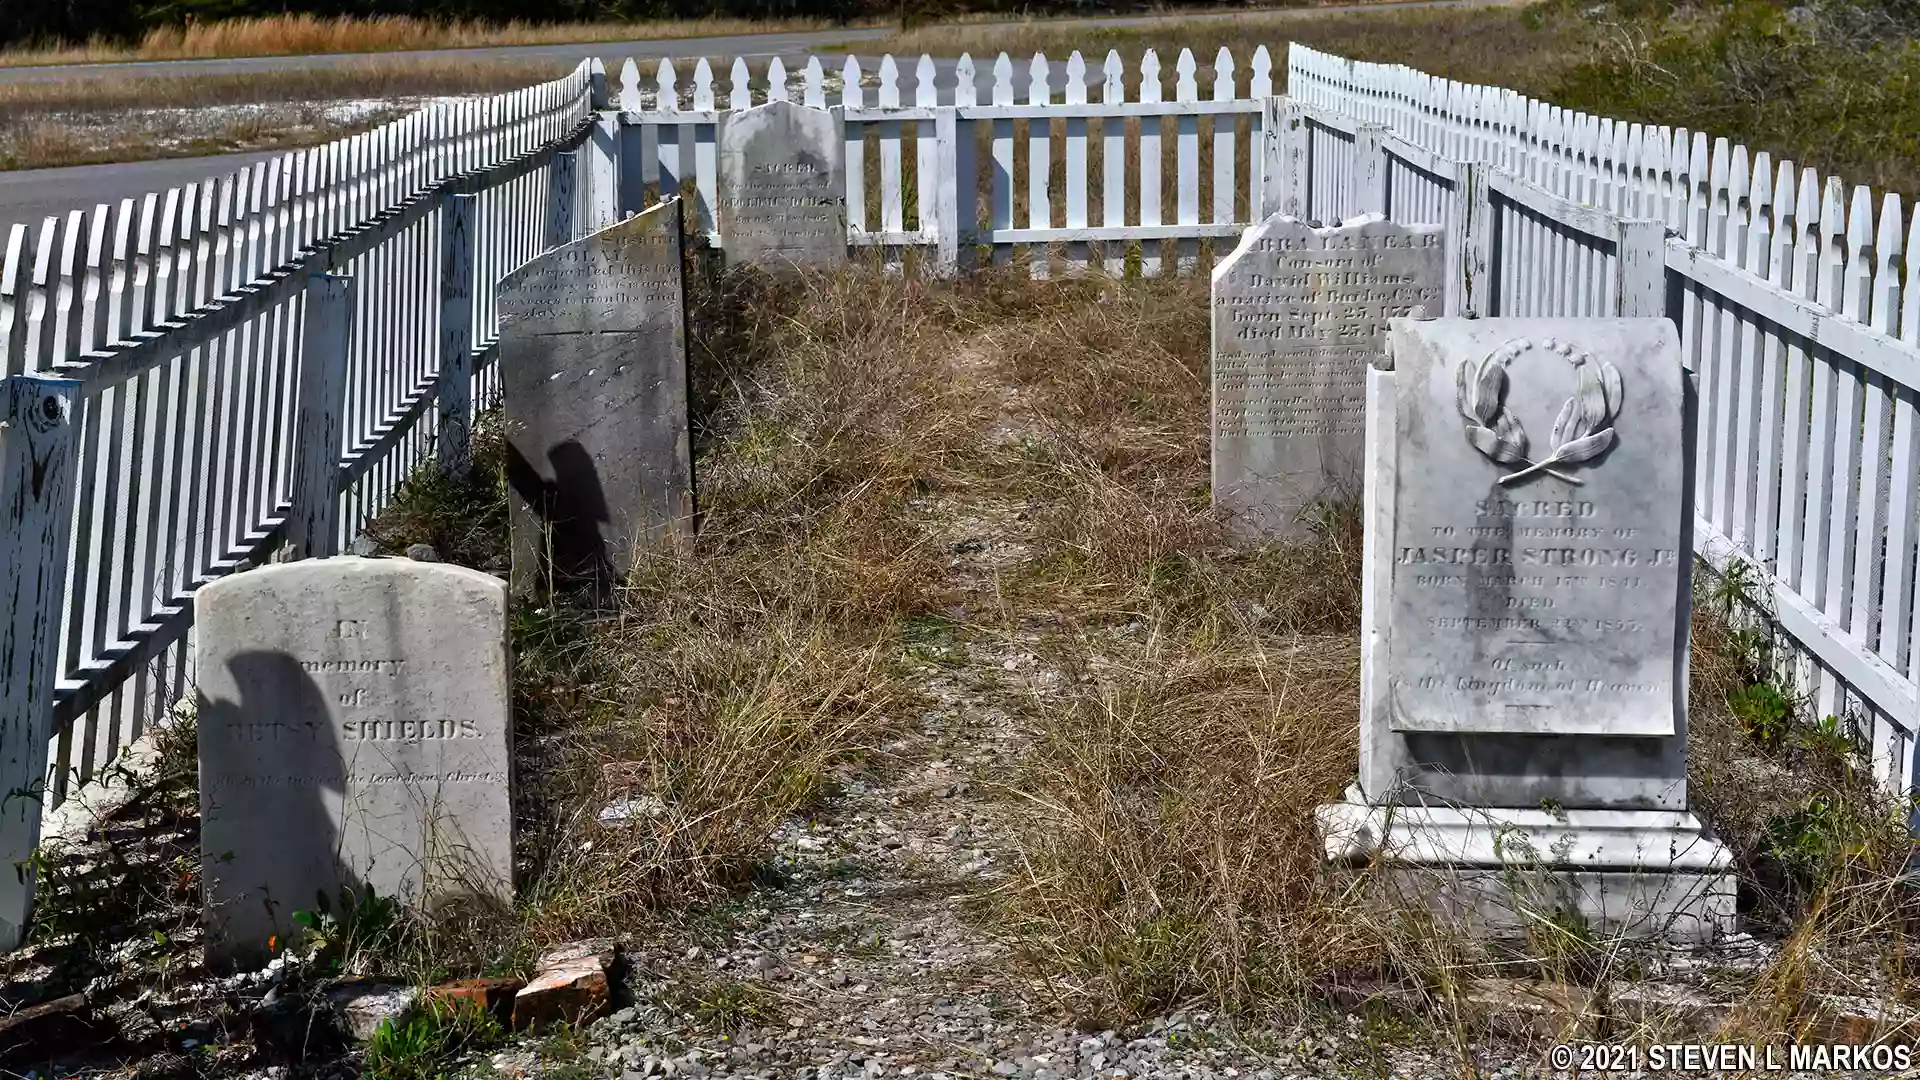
column 594, row 360
column 1524, row 621
column 1297, row 314
column 783, row 186
column 353, row 732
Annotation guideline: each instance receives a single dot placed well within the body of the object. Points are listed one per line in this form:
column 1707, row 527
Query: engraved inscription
column 1536, row 587
column 1298, row 315
column 1301, row 334
column 786, row 205
column 595, row 285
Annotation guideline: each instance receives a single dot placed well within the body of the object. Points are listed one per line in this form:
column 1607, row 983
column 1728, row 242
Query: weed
column 423, row 1046
column 728, row 1004
column 1764, row 712
column 360, row 923
column 462, row 517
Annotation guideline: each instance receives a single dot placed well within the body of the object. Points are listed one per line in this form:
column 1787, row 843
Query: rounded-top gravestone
column 353, row 731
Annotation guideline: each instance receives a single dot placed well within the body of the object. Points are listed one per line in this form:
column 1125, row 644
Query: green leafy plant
column 1816, row 842
column 362, row 922
column 421, row 1047
column 1765, row 712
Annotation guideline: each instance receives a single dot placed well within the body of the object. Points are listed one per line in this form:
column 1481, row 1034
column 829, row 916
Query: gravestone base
column 1629, row 873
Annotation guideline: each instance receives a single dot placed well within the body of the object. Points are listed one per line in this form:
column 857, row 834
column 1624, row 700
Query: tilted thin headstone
column 1297, row 314
column 353, row 727
column 594, row 361
column 783, row 187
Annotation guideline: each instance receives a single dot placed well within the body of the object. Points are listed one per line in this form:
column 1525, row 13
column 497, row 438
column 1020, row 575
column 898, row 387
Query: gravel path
column 868, row 958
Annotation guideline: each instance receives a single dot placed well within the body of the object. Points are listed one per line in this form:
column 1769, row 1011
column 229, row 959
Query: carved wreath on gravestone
column 1582, row 432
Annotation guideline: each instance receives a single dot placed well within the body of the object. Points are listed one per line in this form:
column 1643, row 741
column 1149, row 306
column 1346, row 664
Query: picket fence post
column 1369, row 176
column 454, row 386
column 37, row 463
column 1641, row 259
column 946, row 207
column 1468, row 239
column 1283, row 153
column 313, row 530
column 603, row 172
column 630, row 144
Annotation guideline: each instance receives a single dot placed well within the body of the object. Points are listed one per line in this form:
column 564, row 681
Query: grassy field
column 1837, row 93
column 82, row 121
column 1200, row 693
column 303, row 35
column 1831, row 96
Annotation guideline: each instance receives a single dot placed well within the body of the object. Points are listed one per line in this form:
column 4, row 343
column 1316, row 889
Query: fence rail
column 1798, row 311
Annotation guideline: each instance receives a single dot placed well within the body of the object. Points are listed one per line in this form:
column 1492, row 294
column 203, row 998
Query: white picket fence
column 1018, row 153
column 238, row 369
column 249, row 367
column 1796, row 306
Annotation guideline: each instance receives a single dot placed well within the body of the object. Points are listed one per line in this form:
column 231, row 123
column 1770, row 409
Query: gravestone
column 1524, row 623
column 594, row 361
column 783, row 187
column 353, row 732
column 1297, row 314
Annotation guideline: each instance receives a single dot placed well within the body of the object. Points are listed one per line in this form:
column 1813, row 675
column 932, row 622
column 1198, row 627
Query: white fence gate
column 199, row 379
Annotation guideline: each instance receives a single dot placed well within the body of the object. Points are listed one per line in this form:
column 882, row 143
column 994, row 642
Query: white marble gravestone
column 1297, row 314
column 1525, row 618
column 783, row 186
column 593, row 356
column 353, row 731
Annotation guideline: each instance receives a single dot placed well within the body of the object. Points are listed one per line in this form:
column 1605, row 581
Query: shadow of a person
column 571, row 511
column 273, row 778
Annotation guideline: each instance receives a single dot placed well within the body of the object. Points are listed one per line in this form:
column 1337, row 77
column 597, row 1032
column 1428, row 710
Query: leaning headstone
column 1525, row 623
column 783, row 187
column 353, row 734
column 1297, row 314
column 594, row 360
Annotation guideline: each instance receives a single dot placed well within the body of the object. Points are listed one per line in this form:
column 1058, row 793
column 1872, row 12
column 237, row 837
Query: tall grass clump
column 1168, row 852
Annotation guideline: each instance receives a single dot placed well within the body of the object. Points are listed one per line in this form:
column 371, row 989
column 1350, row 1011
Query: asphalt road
column 31, row 194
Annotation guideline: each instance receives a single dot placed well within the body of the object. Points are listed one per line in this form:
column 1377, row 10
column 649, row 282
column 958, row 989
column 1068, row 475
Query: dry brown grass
column 312, row 35
column 63, row 139
column 729, row 687
column 374, row 77
column 86, row 120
